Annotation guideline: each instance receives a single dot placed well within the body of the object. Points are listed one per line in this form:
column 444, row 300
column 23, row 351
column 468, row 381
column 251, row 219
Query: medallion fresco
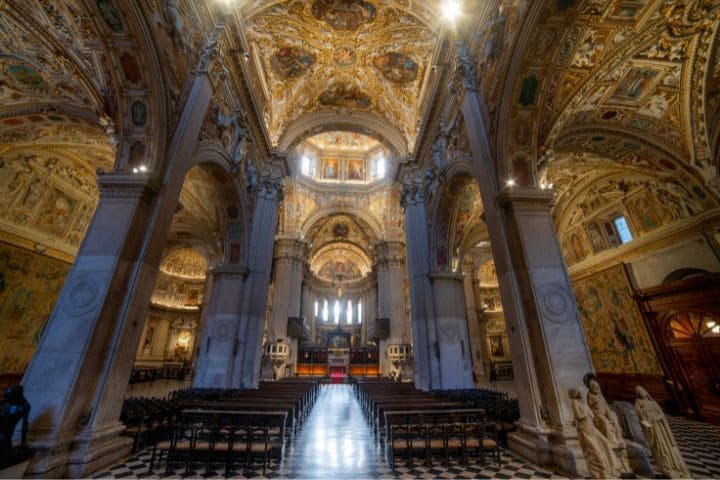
column 344, row 14
column 291, row 62
column 344, row 56
column 613, row 325
column 396, row 67
column 29, row 286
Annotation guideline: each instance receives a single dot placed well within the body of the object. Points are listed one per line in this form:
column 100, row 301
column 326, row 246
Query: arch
column 334, row 211
column 366, row 123
column 683, row 274
column 457, row 211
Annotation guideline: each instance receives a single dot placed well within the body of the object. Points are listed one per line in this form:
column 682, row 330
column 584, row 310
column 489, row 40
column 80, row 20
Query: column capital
column 291, row 250
column 118, row 185
column 390, row 254
column 271, row 188
column 527, row 198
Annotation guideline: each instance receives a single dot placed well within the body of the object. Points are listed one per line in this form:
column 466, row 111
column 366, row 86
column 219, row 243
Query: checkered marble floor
column 336, row 442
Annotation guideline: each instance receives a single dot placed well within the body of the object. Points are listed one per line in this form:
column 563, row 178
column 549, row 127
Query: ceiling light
column 451, row 10
column 142, row 168
column 510, row 182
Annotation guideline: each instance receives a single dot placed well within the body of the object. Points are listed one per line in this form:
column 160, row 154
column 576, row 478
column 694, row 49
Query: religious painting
column 627, row 8
column 636, row 83
column 643, row 213
column 330, row 168
column 110, row 15
column 340, row 270
column 496, row 345
column 347, row 15
column 346, row 95
column 441, row 258
column 578, row 248
column 30, row 286
column 291, row 62
column 597, row 240
column 130, row 67
column 613, row 325
column 396, row 67
column 27, row 77
column 344, row 56
column 56, row 212
column 355, row 169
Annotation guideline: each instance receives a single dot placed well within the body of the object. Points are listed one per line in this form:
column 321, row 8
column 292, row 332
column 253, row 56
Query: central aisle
column 335, row 441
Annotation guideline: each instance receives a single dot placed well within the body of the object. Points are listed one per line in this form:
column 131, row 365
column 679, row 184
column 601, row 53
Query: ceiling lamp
column 451, row 10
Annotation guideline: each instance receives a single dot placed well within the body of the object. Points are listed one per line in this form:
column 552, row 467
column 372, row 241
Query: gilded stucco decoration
column 388, row 45
column 185, row 263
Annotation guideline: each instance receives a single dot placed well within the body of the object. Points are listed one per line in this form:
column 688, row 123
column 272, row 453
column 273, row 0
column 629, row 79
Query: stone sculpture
column 14, row 409
column 657, row 431
column 598, row 451
column 607, row 422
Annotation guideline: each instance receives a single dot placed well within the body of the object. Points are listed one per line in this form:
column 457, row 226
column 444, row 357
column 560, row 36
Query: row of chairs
column 233, row 427
column 440, row 434
column 412, row 424
column 498, row 406
column 147, row 419
column 232, row 439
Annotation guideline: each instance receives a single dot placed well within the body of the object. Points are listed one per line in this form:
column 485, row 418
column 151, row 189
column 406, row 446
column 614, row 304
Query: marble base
column 15, row 471
column 532, row 444
column 102, row 448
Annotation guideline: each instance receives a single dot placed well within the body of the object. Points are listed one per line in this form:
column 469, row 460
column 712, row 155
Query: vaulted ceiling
column 342, row 56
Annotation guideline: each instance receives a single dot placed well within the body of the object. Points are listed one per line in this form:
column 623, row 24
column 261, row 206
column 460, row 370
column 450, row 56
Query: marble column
column 248, row 334
column 455, row 362
column 390, row 297
column 216, row 345
column 548, row 348
column 70, row 360
column 426, row 350
column 290, row 259
column 475, row 333
column 79, row 374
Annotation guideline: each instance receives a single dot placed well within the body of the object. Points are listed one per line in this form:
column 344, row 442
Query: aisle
column 335, row 441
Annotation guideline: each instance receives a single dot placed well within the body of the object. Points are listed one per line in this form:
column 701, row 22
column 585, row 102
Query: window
column 317, row 308
column 623, row 229
column 336, row 311
column 349, row 312
column 306, row 165
column 380, row 167
column 359, row 311
column 325, row 310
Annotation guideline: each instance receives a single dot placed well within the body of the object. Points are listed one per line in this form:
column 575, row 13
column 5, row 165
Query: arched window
column 325, row 310
column 359, row 311
column 336, row 311
column 349, row 312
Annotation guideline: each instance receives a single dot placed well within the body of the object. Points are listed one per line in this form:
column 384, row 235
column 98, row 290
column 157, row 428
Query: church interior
column 387, row 238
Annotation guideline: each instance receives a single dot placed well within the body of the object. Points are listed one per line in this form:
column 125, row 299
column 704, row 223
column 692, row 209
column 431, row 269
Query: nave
column 336, row 441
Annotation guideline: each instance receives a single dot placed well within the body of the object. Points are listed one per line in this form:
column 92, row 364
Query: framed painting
column 356, row 170
column 330, row 168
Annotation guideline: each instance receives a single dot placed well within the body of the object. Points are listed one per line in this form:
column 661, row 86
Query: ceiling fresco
column 341, row 55
column 186, row 263
column 343, row 141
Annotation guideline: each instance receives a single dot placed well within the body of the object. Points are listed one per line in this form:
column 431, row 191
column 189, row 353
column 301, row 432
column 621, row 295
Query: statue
column 12, row 410
column 606, row 421
column 657, row 431
column 597, row 450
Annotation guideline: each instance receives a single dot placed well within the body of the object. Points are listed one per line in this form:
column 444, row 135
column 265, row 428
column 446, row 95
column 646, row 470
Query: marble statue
column 607, row 422
column 597, row 450
column 657, row 431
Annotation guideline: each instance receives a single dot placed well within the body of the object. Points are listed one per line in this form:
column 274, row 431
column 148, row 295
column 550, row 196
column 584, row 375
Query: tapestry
column 613, row 324
column 29, row 285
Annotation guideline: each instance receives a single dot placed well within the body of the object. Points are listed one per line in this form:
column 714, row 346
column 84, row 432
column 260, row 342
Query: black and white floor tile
column 336, row 442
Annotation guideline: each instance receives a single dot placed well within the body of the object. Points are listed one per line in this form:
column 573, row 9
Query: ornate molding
column 115, row 185
column 527, row 198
